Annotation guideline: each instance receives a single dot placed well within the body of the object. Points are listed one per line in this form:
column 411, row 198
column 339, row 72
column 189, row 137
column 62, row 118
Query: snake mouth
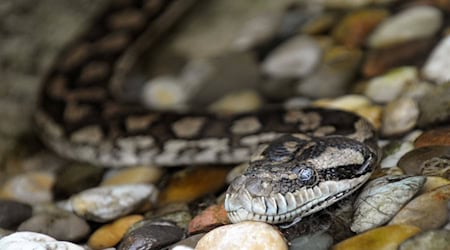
column 281, row 208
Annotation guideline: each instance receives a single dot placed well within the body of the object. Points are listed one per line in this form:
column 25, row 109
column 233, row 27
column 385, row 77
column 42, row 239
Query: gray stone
column 437, row 66
column 399, row 116
column 317, row 241
column 12, row 213
column 435, row 106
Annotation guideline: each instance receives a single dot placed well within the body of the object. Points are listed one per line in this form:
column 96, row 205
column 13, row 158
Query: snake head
column 297, row 176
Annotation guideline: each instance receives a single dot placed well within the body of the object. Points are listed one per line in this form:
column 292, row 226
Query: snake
column 301, row 160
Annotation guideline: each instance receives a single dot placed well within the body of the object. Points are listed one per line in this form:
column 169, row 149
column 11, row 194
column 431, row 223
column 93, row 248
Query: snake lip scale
column 305, row 160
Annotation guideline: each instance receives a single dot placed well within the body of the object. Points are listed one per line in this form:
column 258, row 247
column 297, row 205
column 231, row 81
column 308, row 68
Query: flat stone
column 424, row 159
column 354, row 28
column 427, row 211
column 389, row 86
column 75, row 178
column 245, row 236
column 132, row 175
column 31, row 240
column 178, row 213
column 213, row 216
column 434, row 137
column 433, row 239
column 399, row 117
column 31, row 188
column 382, row 198
column 296, row 57
column 380, row 61
column 382, row 238
column 434, row 106
column 436, row 66
column 103, row 204
column 110, row 234
column 12, row 213
column 333, row 75
column 59, row 224
column 192, row 183
column 414, row 23
column 151, row 235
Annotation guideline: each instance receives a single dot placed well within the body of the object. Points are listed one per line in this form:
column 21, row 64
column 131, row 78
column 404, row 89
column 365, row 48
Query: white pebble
column 35, row 241
column 437, row 67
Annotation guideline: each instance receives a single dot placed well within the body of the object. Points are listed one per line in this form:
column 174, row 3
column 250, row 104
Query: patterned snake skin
column 321, row 156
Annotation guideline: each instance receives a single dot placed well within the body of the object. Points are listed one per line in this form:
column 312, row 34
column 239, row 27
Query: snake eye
column 306, row 175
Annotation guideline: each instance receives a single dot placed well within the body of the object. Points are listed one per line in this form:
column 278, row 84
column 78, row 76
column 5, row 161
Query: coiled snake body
column 308, row 158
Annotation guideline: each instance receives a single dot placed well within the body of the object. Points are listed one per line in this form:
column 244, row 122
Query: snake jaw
column 280, row 208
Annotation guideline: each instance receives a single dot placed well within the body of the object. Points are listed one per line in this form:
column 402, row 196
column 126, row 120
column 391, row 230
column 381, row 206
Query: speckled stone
column 410, row 24
column 399, row 116
column 382, row 238
column 433, row 239
column 427, row 211
column 354, row 28
column 132, row 175
column 211, row 217
column 12, row 213
column 434, row 137
column 426, row 160
column 434, row 106
column 31, row 188
column 436, row 67
column 75, row 178
column 296, row 57
column 30, row 240
column 192, row 183
column 110, row 234
column 103, row 204
column 389, row 86
column 248, row 235
column 382, row 198
column 58, row 224
column 151, row 235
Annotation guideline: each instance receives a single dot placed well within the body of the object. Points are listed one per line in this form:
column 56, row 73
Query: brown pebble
column 208, row 219
column 439, row 136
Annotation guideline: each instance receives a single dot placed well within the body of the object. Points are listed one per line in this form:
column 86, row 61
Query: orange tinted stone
column 211, row 217
column 439, row 136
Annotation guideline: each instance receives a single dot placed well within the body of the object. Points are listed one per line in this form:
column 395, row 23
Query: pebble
column 399, row 116
column 12, row 213
column 410, row 24
column 75, row 178
column 132, row 175
column 432, row 239
column 316, row 241
column 434, row 107
column 394, row 153
column 211, row 217
column 434, row 137
column 382, row 60
column 389, row 86
column 354, row 28
column 257, row 31
column 164, row 92
column 103, row 204
column 247, row 235
column 31, row 240
column 434, row 183
column 436, row 66
column 32, row 187
column 151, row 235
column 59, row 224
column 192, row 183
column 427, row 211
column 178, row 213
column 382, row 198
column 419, row 159
column 382, row 238
column 187, row 244
column 238, row 102
column 333, row 75
column 110, row 234
column 296, row 57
